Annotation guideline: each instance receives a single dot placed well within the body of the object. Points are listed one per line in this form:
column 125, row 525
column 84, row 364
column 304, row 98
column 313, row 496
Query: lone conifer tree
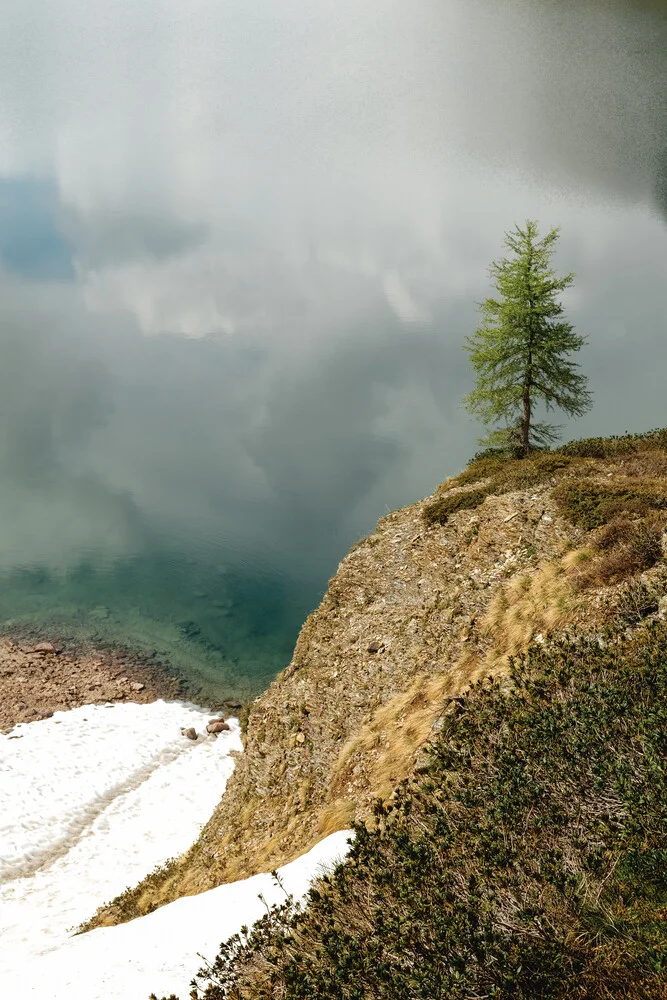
column 520, row 351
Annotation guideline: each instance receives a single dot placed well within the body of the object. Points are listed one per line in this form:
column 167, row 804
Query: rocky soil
column 37, row 679
column 396, row 635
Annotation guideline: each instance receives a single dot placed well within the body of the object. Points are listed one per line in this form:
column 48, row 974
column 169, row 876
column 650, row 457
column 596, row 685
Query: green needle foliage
column 519, row 353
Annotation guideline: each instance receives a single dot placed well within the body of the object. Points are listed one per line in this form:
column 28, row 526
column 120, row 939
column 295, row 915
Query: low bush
column 610, row 447
column 438, row 512
column 637, row 601
column 590, row 505
column 507, row 472
column 621, row 549
column 525, row 859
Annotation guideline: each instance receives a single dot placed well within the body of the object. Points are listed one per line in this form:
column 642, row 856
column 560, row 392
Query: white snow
column 92, row 800
column 161, row 951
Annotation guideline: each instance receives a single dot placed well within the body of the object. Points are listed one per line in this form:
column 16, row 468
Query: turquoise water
column 227, row 633
column 240, row 250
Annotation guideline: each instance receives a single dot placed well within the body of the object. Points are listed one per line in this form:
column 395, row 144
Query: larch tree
column 521, row 352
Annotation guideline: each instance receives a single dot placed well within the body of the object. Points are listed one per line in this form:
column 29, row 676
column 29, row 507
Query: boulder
column 234, row 706
column 375, row 646
column 217, row 726
column 45, row 647
column 191, row 733
column 137, row 686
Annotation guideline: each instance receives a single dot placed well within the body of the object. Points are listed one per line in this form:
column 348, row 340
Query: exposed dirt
column 37, row 679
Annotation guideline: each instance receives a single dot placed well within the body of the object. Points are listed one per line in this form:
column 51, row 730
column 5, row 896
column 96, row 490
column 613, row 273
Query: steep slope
column 437, row 598
column 524, row 859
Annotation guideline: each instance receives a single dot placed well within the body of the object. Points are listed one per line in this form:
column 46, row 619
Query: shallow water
column 240, row 249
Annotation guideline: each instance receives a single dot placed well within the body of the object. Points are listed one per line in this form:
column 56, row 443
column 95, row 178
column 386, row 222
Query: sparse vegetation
column 526, row 858
column 507, row 474
column 636, row 602
column 623, row 548
column 588, row 504
column 499, row 474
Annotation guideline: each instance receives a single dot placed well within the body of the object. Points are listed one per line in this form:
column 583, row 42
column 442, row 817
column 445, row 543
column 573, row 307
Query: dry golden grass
column 388, row 743
column 532, row 604
column 336, row 816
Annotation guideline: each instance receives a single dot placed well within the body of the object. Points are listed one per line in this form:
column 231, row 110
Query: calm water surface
column 240, row 247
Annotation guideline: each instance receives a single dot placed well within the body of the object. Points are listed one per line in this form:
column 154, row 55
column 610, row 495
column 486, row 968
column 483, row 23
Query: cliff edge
column 442, row 595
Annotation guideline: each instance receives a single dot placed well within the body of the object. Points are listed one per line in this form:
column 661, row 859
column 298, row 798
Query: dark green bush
column 590, row 505
column 525, row 860
column 438, row 512
column 610, row 447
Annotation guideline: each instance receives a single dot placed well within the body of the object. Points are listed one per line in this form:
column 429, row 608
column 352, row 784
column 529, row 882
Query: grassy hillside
column 440, row 597
column 526, row 857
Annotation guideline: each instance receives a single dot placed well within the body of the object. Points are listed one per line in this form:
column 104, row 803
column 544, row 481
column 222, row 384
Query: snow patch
column 161, row 951
column 92, row 800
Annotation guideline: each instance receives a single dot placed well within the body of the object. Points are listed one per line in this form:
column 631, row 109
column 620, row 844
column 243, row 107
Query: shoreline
column 38, row 678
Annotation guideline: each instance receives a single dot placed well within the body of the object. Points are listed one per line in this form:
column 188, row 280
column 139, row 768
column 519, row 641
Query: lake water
column 241, row 246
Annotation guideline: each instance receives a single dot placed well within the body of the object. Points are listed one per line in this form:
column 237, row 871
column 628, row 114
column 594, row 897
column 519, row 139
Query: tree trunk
column 525, row 423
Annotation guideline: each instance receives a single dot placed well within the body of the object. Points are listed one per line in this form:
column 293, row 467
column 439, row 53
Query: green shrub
column 506, row 474
column 610, row 447
column 438, row 512
column 525, row 859
column 636, row 602
column 590, row 505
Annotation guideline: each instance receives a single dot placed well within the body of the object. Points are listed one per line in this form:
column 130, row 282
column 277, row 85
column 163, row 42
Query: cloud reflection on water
column 268, row 231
